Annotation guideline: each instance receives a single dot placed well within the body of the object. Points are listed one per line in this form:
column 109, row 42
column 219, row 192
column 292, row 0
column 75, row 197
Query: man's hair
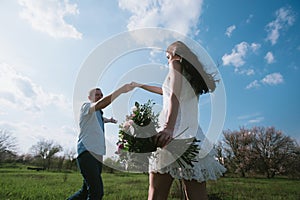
column 92, row 91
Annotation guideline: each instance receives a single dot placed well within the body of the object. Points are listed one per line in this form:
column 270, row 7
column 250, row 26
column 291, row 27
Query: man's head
column 95, row 94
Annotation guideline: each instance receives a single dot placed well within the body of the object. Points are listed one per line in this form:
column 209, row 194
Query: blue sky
column 44, row 44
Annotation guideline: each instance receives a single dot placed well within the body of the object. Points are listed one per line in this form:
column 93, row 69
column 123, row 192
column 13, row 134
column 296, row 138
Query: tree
column 220, row 152
column 239, row 150
column 70, row 162
column 273, row 150
column 293, row 164
column 134, row 161
column 46, row 149
column 260, row 149
column 7, row 146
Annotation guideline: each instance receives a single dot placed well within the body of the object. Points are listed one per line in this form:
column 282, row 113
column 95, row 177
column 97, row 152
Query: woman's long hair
column 201, row 81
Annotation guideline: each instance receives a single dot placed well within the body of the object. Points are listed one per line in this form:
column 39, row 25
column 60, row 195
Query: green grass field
column 20, row 183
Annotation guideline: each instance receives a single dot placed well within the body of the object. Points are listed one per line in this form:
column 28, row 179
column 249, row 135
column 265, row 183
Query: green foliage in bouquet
column 137, row 135
column 138, row 131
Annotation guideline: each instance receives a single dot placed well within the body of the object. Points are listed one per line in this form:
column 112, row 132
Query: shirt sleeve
column 85, row 108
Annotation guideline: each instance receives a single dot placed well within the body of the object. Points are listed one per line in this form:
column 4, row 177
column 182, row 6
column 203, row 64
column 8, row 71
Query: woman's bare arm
column 166, row 135
column 150, row 88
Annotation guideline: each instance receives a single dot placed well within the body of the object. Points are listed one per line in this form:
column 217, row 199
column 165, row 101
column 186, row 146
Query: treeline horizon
column 247, row 152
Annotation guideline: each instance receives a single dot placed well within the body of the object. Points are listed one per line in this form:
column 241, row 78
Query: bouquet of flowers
column 137, row 135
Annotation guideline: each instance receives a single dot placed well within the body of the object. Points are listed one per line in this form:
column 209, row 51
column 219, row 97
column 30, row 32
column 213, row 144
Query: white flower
column 134, row 108
column 127, row 124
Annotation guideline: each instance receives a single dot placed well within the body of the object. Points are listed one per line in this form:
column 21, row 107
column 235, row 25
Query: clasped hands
column 130, row 86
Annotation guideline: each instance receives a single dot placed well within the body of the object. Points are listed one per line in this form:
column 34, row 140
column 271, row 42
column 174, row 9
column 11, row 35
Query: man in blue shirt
column 91, row 142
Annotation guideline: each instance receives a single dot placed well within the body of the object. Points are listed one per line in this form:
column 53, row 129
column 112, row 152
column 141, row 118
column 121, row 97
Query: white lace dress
column 163, row 161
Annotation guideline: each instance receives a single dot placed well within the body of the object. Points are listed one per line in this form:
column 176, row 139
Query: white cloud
column 238, row 54
column 253, row 84
column 252, row 118
column 236, row 58
column 229, row 30
column 247, row 72
column 249, row 18
column 20, row 91
column 243, row 117
column 48, row 16
column 270, row 79
column 273, row 79
column 255, row 46
column 284, row 19
column 182, row 16
column 256, row 120
column 27, row 134
column 269, row 58
column 30, row 113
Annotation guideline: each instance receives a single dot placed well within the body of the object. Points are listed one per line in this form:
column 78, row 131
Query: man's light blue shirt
column 91, row 136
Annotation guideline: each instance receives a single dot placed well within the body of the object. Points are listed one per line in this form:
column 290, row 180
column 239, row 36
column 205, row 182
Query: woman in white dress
column 185, row 82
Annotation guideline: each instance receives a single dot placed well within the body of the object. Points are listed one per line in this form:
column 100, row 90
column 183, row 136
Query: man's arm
column 111, row 120
column 104, row 102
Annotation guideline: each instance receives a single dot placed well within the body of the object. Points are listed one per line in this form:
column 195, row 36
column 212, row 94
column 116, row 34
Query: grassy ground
column 24, row 184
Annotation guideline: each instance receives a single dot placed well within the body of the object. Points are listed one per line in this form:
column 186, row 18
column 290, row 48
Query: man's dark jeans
column 92, row 187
